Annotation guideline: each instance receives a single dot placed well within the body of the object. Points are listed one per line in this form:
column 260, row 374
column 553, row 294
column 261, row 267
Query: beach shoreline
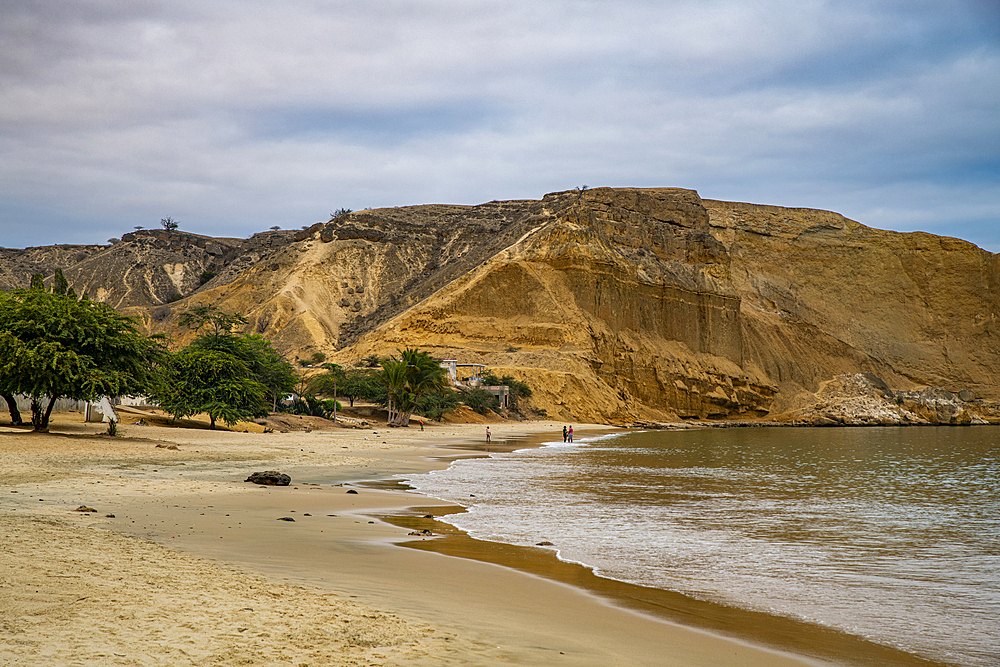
column 178, row 500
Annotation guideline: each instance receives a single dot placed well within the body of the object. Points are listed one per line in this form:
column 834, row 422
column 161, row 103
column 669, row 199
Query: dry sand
column 194, row 567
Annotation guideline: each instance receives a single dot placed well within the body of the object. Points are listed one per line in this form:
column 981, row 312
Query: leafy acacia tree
column 264, row 363
column 407, row 379
column 351, row 383
column 203, row 380
column 54, row 346
column 229, row 375
column 209, row 316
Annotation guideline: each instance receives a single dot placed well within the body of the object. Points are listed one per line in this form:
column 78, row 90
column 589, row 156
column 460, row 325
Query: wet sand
column 196, row 567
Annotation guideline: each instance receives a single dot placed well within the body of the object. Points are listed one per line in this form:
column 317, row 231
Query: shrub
column 205, row 277
column 480, row 400
column 437, row 404
column 309, row 405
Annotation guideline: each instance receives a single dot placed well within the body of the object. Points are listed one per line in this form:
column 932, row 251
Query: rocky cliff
column 822, row 296
column 613, row 304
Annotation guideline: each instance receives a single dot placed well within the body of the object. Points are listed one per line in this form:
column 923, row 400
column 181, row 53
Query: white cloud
column 232, row 115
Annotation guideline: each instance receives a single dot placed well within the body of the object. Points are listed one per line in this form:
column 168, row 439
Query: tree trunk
column 48, row 411
column 401, row 419
column 36, row 414
column 15, row 414
column 211, row 420
column 39, row 417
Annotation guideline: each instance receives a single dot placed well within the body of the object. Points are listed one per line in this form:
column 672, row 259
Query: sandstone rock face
column 822, row 295
column 616, row 305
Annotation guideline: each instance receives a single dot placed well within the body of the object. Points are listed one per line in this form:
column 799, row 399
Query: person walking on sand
column 564, row 434
column 487, row 434
column 571, row 434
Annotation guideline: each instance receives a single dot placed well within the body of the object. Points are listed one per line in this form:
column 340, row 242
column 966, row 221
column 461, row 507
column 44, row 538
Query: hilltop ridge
column 615, row 304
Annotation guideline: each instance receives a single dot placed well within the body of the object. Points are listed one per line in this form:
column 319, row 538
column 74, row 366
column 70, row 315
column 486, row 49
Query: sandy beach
column 182, row 562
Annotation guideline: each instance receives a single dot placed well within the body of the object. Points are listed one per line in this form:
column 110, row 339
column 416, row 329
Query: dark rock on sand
column 286, row 518
column 351, row 491
column 270, row 478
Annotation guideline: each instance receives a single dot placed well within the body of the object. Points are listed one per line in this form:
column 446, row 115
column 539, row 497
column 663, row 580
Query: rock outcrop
column 622, row 305
column 863, row 399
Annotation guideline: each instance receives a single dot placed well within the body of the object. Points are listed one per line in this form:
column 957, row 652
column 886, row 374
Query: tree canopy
column 53, row 346
column 211, row 381
column 231, row 376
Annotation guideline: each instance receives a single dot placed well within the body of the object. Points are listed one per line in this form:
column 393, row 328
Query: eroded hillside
column 823, row 296
column 613, row 304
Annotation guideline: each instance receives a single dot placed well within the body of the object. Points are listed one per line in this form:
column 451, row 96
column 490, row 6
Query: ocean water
column 891, row 534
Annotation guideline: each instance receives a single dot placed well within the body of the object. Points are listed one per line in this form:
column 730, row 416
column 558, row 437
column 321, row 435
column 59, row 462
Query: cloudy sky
column 235, row 116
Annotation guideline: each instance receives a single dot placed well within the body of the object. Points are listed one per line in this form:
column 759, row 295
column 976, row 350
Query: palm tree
column 407, row 379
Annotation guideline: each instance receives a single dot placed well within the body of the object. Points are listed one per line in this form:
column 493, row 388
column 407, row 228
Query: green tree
column 436, row 404
column 54, row 346
column 372, row 361
column 60, row 285
column 211, row 381
column 363, row 383
column 334, row 375
column 227, row 374
column 407, row 379
column 221, row 323
column 169, row 223
column 351, row 383
column 263, row 362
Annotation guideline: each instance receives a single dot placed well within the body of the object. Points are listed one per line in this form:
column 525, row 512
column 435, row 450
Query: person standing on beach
column 571, row 434
column 564, row 434
column 487, row 434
